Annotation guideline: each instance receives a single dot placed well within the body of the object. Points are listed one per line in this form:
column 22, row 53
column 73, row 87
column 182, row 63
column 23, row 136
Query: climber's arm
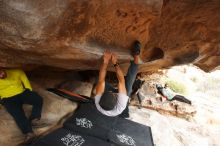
column 120, row 75
column 100, row 87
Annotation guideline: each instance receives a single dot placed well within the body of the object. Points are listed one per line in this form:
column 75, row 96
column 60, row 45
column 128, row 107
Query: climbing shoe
column 136, row 48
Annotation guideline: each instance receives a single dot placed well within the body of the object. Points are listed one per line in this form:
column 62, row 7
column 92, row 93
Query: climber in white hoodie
column 108, row 100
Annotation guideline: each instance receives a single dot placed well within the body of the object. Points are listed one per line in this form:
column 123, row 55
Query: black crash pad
column 129, row 133
column 63, row 137
column 88, row 120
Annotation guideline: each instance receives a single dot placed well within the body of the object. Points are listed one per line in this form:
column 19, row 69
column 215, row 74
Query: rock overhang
column 73, row 34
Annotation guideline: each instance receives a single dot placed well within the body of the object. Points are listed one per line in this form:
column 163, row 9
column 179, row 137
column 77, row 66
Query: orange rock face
column 72, row 34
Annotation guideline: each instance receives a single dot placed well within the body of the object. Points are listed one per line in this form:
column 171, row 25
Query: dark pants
column 181, row 99
column 14, row 106
column 129, row 81
column 140, row 99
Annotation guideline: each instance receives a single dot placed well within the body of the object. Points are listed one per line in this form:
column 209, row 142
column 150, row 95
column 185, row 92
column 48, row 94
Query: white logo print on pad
column 83, row 122
column 72, row 140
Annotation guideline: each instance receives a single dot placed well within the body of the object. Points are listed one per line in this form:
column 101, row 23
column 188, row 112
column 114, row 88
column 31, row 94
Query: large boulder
column 73, row 34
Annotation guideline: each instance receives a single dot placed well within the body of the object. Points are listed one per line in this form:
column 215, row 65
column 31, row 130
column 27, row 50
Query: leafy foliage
column 177, row 86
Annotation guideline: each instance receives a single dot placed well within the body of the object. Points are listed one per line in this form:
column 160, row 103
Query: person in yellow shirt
column 15, row 90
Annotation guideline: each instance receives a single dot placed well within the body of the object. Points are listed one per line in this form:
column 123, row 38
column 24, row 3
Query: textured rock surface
column 72, row 34
column 187, row 31
column 174, row 108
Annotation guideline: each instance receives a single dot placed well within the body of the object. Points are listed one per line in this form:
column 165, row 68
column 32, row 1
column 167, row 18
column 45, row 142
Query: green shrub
column 177, row 86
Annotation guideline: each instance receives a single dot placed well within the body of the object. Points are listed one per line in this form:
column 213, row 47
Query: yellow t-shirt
column 15, row 83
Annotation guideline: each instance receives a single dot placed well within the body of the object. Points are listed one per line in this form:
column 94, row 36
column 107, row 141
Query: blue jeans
column 129, row 81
